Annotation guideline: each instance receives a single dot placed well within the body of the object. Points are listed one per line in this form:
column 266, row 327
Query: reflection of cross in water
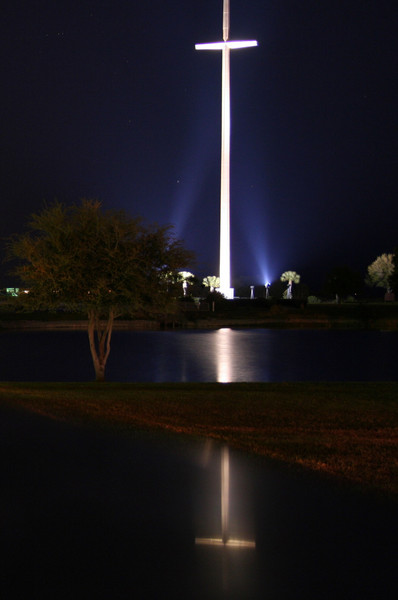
column 225, row 540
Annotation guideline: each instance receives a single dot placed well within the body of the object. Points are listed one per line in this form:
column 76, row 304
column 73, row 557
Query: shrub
column 313, row 300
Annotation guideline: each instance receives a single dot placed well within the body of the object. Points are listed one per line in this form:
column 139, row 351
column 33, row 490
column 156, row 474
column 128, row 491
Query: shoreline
column 345, row 431
column 244, row 314
column 215, row 323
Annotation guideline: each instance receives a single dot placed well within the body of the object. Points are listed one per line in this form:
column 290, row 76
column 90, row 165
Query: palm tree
column 186, row 278
column 212, row 282
column 291, row 277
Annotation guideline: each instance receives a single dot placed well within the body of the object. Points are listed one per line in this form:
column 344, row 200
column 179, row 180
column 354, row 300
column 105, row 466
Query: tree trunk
column 100, row 341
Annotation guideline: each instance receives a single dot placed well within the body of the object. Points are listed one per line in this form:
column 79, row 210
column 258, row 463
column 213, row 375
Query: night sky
column 110, row 100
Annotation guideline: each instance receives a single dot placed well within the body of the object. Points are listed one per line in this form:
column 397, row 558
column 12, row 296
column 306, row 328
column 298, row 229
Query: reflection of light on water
column 223, row 355
column 236, row 354
column 225, row 539
column 224, row 352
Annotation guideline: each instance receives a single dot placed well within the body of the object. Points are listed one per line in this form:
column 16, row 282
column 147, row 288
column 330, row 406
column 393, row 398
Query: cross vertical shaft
column 225, row 259
column 225, row 20
column 225, row 46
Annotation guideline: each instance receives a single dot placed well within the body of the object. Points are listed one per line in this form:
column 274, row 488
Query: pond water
column 98, row 515
column 90, row 514
column 224, row 355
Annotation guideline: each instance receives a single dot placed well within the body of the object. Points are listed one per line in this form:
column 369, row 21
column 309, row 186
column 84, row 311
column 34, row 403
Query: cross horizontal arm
column 221, row 45
column 232, row 543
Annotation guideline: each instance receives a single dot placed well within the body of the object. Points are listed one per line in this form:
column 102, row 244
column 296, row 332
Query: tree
column 212, row 282
column 394, row 274
column 186, row 278
column 291, row 277
column 342, row 281
column 380, row 272
column 105, row 263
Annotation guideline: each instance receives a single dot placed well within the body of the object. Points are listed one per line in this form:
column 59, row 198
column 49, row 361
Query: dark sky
column 110, row 100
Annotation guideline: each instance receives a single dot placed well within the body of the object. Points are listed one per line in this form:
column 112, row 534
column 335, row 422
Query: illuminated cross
column 225, row 540
column 225, row 46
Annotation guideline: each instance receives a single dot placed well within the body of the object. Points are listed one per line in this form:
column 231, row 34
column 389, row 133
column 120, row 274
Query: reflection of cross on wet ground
column 225, row 540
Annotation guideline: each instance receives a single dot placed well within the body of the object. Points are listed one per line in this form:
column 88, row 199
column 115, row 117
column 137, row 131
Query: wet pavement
column 101, row 515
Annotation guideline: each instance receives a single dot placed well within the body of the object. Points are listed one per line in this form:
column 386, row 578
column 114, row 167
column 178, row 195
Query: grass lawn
column 345, row 430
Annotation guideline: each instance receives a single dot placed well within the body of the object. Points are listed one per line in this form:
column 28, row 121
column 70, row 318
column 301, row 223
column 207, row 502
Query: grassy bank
column 345, row 430
column 236, row 313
